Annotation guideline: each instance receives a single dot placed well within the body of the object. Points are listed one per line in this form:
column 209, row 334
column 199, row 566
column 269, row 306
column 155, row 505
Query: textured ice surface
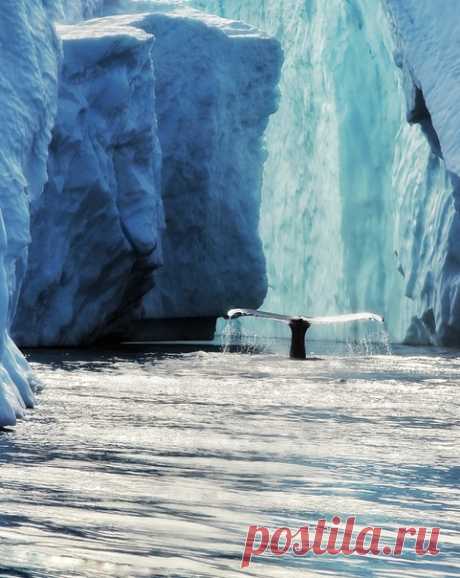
column 357, row 212
column 73, row 10
column 216, row 88
column 28, row 63
column 428, row 51
column 96, row 229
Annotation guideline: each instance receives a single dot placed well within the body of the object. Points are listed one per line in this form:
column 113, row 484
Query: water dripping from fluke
column 235, row 340
column 299, row 326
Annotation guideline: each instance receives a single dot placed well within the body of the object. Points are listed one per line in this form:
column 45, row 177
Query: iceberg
column 96, row 229
column 216, row 85
column 160, row 109
column 358, row 204
column 29, row 61
column 428, row 53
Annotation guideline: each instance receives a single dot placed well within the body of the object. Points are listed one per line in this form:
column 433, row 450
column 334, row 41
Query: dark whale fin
column 300, row 325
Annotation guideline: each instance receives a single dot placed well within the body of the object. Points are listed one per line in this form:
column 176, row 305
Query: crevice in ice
column 429, row 321
column 422, row 331
column 456, row 190
column 421, row 115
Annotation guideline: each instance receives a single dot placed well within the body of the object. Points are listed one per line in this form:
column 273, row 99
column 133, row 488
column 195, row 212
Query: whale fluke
column 347, row 318
column 235, row 313
column 330, row 320
column 300, row 325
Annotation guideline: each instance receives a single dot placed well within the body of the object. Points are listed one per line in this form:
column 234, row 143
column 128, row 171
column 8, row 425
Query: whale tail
column 301, row 324
column 312, row 320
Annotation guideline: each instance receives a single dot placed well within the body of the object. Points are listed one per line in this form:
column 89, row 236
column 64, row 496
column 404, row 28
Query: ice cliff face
column 96, row 229
column 357, row 209
column 28, row 86
column 203, row 90
column 427, row 50
column 216, row 88
column 212, row 122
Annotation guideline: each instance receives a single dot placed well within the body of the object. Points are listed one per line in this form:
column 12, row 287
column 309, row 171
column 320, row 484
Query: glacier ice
column 96, row 229
column 428, row 52
column 357, row 209
column 203, row 92
column 216, row 88
column 29, row 60
column 359, row 194
column 71, row 11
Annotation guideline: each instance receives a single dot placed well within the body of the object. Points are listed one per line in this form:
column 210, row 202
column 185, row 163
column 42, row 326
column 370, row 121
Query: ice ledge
column 179, row 10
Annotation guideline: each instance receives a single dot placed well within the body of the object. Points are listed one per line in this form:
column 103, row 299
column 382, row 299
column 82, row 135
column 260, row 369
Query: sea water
column 145, row 462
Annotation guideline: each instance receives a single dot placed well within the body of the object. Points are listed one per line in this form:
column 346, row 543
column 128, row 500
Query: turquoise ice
column 357, row 211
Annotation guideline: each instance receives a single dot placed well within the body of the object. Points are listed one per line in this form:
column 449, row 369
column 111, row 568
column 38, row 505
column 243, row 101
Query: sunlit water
column 138, row 463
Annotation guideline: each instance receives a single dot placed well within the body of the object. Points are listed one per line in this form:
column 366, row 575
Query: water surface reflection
column 145, row 463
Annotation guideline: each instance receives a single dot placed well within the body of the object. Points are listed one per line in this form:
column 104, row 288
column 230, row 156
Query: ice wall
column 216, row 88
column 428, row 52
column 357, row 210
column 96, row 230
column 28, row 88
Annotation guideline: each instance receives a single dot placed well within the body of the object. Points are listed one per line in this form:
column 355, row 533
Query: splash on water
column 375, row 341
column 239, row 336
column 236, row 339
